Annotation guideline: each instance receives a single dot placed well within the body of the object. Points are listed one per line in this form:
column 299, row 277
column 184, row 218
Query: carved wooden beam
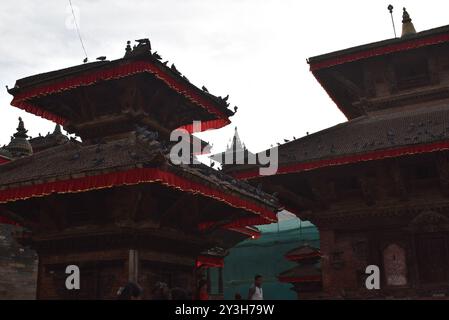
column 290, row 196
column 352, row 88
column 368, row 192
column 442, row 163
column 320, row 191
column 398, row 181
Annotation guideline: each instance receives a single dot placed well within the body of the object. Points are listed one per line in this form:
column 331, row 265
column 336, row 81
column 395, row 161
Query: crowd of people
column 161, row 291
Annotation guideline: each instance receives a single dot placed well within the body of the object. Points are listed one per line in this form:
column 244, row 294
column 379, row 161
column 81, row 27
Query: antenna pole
column 78, row 31
column 390, row 8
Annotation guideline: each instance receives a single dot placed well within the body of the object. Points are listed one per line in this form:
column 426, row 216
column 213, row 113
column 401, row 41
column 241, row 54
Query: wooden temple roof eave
column 297, row 167
column 20, row 97
column 66, row 178
column 228, row 194
column 136, row 229
column 433, row 36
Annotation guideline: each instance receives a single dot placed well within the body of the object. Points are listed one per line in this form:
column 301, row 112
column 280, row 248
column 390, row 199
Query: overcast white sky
column 253, row 50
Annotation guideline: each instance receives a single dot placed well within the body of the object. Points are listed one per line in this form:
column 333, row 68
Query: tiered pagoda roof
column 74, row 168
column 144, row 89
column 306, row 276
column 124, row 112
column 387, row 125
column 327, row 68
column 398, row 132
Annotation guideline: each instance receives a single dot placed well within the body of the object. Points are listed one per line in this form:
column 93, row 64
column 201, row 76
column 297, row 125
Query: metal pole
column 390, row 8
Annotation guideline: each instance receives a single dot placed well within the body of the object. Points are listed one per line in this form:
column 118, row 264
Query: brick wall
column 18, row 268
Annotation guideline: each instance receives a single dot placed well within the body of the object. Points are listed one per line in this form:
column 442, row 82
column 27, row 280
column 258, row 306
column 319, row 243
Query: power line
column 78, row 30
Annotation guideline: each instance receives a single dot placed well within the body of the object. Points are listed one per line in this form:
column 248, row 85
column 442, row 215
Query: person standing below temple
column 256, row 292
column 201, row 293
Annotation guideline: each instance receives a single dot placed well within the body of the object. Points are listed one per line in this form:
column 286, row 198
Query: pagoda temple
column 111, row 201
column 306, row 275
column 377, row 185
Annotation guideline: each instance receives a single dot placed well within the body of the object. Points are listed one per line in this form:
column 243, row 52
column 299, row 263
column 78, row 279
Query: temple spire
column 407, row 25
column 19, row 145
column 57, row 129
column 21, row 131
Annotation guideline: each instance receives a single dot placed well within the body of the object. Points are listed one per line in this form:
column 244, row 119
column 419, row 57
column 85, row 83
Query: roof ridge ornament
column 21, row 131
column 407, row 25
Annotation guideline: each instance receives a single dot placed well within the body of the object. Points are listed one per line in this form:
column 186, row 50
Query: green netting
column 265, row 256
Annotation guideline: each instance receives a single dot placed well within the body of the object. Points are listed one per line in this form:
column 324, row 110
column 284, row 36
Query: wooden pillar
column 208, row 281
column 133, row 265
column 220, row 281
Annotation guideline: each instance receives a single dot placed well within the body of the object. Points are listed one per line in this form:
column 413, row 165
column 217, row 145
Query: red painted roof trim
column 22, row 100
column 384, row 50
column 132, row 177
column 369, row 156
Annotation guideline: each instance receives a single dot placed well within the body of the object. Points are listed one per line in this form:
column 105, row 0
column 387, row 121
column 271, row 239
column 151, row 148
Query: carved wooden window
column 395, row 265
column 432, row 255
column 412, row 72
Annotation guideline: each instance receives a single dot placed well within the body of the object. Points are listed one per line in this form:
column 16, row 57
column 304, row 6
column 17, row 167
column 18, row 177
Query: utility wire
column 78, row 30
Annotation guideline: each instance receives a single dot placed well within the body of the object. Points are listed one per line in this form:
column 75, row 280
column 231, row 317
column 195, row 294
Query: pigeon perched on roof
column 236, row 108
column 157, row 56
column 102, row 58
column 173, row 68
column 85, row 60
column 144, row 42
column 205, row 89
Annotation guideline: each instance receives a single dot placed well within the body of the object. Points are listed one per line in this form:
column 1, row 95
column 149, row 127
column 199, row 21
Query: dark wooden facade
column 114, row 204
column 376, row 186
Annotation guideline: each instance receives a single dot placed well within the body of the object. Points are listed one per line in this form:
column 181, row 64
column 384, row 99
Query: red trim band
column 206, row 125
column 299, row 257
column 4, row 160
column 22, row 99
column 240, row 223
column 246, row 231
column 5, row 220
column 403, row 46
column 131, row 177
column 209, row 262
column 370, row 156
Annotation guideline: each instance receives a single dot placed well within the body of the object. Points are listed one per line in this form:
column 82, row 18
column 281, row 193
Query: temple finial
column 21, row 131
column 407, row 25
column 57, row 129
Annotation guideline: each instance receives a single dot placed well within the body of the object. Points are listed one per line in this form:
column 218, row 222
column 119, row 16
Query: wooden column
column 208, row 281
column 220, row 281
column 133, row 265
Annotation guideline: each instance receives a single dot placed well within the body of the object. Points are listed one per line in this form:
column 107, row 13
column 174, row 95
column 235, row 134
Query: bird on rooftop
column 212, row 164
column 236, row 108
column 144, row 41
column 286, row 140
column 157, row 56
column 85, row 60
column 173, row 68
column 294, row 138
column 102, row 58
column 226, row 98
column 205, row 89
